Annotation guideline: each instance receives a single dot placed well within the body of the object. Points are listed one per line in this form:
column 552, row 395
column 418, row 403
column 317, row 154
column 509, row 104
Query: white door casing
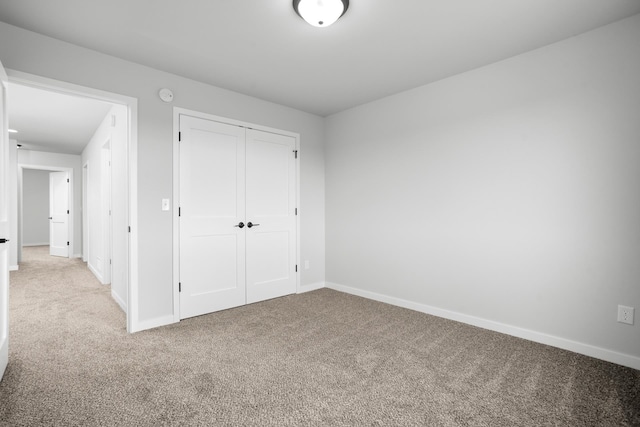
column 126, row 230
column 271, row 203
column 230, row 176
column 59, row 214
column 105, row 191
column 4, row 224
column 212, row 245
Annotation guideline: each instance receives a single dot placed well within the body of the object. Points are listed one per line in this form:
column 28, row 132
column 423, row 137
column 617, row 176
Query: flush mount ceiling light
column 320, row 13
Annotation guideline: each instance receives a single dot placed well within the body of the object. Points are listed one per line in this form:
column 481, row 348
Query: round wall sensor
column 166, row 95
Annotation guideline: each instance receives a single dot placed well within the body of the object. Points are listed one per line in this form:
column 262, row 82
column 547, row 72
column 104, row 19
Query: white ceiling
column 262, row 48
column 54, row 122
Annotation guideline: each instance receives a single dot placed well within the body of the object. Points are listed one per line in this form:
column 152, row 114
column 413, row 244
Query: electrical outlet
column 625, row 314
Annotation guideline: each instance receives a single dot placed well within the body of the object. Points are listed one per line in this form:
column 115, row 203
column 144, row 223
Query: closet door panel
column 212, row 204
column 270, row 204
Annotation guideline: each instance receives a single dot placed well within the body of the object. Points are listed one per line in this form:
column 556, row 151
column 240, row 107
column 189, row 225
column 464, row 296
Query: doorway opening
column 101, row 177
column 45, row 215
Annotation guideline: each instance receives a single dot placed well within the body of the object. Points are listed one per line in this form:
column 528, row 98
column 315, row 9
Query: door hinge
column 296, row 268
column 67, row 211
column 179, row 136
column 129, row 229
column 109, row 262
column 179, row 286
column 67, row 179
column 67, row 243
column 296, row 211
column 295, row 152
column 179, row 211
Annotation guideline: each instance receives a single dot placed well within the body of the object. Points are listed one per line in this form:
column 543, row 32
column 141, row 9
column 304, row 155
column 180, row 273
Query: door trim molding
column 70, row 204
column 177, row 112
column 133, row 322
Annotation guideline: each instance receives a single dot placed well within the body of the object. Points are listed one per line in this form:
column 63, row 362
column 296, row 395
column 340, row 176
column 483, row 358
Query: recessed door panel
column 213, row 171
column 268, row 175
column 270, row 270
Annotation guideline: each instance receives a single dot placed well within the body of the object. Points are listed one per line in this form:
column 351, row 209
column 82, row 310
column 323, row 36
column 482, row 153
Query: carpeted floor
column 321, row 358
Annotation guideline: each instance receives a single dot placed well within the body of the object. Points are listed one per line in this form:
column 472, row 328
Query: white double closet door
column 237, row 216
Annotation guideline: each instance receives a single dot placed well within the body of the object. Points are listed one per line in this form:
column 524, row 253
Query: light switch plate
column 165, row 204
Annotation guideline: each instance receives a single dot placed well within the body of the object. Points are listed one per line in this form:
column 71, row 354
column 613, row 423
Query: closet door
column 212, row 210
column 270, row 204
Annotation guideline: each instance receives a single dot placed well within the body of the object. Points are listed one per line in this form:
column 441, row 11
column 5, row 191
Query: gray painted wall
column 509, row 194
column 35, row 207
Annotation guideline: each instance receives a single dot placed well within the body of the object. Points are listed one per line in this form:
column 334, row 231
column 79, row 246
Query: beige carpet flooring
column 322, row 358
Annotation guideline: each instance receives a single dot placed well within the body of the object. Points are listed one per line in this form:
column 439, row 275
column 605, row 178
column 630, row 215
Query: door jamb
column 177, row 111
column 105, row 214
column 85, row 216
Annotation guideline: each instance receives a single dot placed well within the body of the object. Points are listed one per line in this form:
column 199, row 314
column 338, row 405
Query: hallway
column 44, row 279
column 59, row 315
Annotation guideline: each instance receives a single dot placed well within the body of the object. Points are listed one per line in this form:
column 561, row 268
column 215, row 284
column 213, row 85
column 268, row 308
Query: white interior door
column 4, row 224
column 237, row 216
column 271, row 204
column 59, row 214
column 212, row 216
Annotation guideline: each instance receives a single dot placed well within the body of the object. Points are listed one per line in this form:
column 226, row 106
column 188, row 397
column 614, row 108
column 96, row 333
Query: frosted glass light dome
column 320, row 13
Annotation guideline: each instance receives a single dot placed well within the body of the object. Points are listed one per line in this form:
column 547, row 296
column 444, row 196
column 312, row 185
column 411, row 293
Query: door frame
column 70, row 202
column 26, row 79
column 105, row 209
column 5, row 222
column 85, row 216
column 177, row 111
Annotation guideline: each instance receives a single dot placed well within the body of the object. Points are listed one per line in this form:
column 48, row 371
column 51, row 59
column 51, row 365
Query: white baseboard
column 563, row 343
column 36, row 244
column 118, row 300
column 77, row 255
column 152, row 323
column 95, row 272
column 14, row 268
column 310, row 287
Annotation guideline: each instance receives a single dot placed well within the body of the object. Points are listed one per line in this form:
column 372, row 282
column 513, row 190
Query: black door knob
column 249, row 224
column 240, row 224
